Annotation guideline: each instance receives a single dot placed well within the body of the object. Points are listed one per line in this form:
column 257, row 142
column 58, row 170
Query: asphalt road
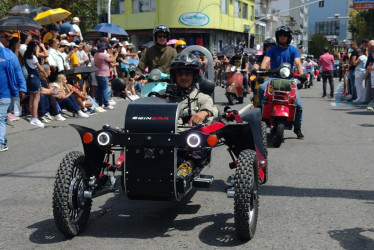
column 319, row 194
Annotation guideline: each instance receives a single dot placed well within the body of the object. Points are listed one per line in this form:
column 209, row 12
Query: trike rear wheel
column 246, row 196
column 70, row 209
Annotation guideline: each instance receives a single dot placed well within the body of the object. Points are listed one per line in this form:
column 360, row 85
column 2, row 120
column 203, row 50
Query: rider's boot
column 300, row 135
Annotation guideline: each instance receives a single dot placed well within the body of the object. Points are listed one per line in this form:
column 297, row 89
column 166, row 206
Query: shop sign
column 363, row 4
column 194, row 19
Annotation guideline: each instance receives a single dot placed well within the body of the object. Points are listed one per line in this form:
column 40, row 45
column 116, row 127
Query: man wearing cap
column 55, row 59
column 102, row 61
column 158, row 56
column 78, row 32
column 66, row 27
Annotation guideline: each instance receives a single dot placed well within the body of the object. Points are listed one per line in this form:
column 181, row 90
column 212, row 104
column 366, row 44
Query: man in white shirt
column 55, row 60
column 78, row 32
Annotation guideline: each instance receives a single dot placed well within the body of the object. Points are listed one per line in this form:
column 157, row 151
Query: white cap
column 126, row 43
column 76, row 20
column 73, row 44
column 114, row 39
column 64, row 42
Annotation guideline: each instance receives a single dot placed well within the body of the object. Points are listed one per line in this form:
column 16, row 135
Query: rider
column 184, row 71
column 240, row 61
column 180, row 45
column 284, row 52
column 308, row 67
column 158, row 56
column 268, row 43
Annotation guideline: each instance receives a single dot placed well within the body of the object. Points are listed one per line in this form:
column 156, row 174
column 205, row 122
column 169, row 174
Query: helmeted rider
column 308, row 67
column 180, row 45
column 283, row 52
column 241, row 62
column 268, row 43
column 185, row 72
column 158, row 56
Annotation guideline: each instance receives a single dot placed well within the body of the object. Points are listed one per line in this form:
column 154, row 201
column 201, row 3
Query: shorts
column 33, row 83
column 92, row 79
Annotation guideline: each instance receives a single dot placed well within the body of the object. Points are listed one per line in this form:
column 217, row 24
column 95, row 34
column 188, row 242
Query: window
column 224, row 6
column 237, row 9
column 118, row 7
column 245, row 10
column 143, row 6
column 252, row 12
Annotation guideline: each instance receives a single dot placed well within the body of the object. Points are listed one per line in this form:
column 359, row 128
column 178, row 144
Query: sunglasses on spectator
column 184, row 72
column 162, row 36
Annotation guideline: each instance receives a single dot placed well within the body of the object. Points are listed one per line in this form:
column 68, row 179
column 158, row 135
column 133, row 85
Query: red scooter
column 234, row 86
column 279, row 107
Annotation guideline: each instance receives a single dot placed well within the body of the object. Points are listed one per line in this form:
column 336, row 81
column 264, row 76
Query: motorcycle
column 234, row 86
column 279, row 107
column 306, row 82
column 145, row 159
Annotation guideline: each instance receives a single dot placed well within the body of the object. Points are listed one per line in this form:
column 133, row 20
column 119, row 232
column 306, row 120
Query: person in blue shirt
column 284, row 52
column 11, row 77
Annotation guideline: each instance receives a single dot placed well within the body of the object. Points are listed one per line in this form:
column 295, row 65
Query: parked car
column 336, row 69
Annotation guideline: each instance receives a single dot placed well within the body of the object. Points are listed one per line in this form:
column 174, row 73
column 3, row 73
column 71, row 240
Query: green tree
column 316, row 45
column 86, row 10
column 361, row 24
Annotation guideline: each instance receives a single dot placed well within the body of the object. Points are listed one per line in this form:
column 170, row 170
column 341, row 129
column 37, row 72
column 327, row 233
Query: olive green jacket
column 156, row 57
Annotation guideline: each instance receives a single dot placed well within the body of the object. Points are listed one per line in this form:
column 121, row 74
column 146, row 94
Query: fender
column 280, row 111
column 232, row 89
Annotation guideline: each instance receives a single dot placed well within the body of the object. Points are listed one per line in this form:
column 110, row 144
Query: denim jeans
column 70, row 104
column 43, row 107
column 15, row 106
column 299, row 105
column 102, row 91
column 353, row 84
column 4, row 104
column 94, row 104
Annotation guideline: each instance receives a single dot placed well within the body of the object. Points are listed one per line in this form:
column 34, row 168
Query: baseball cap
column 72, row 45
column 64, row 42
column 101, row 46
column 76, row 20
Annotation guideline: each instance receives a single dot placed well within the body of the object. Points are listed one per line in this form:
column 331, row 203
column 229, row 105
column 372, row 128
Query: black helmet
column 286, row 30
column 185, row 61
column 118, row 85
column 239, row 50
column 252, row 59
column 160, row 28
column 270, row 41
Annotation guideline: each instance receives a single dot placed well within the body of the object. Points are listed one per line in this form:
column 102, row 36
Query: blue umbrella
column 110, row 28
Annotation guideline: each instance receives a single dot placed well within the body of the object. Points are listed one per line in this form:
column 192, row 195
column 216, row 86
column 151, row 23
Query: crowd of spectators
column 48, row 91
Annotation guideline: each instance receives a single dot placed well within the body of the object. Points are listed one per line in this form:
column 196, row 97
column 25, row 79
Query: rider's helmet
column 183, row 62
column 284, row 30
column 180, row 44
column 252, row 59
column 270, row 41
column 309, row 56
column 239, row 50
column 161, row 28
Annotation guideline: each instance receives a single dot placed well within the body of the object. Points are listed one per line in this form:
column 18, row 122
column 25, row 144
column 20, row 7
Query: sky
column 317, row 14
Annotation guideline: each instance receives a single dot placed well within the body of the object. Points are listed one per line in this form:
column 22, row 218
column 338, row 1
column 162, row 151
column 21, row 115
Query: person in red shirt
column 327, row 64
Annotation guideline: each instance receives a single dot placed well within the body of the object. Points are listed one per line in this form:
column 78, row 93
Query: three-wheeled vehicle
column 150, row 147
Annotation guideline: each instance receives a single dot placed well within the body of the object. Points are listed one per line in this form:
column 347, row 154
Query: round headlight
column 155, row 75
column 193, row 140
column 233, row 69
column 104, row 139
column 284, row 72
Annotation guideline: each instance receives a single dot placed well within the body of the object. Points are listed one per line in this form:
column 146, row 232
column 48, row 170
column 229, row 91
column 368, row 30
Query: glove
column 303, row 77
column 254, row 72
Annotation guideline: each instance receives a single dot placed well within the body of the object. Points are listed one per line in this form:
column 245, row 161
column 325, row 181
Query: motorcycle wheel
column 265, row 142
column 246, row 195
column 231, row 98
column 278, row 135
column 70, row 209
column 240, row 100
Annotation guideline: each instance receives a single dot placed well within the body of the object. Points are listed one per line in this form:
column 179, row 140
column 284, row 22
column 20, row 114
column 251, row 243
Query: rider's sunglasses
column 162, row 36
column 184, row 72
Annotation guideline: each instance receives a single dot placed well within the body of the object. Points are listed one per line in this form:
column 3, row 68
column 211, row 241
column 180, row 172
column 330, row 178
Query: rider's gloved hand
column 303, row 77
column 254, row 72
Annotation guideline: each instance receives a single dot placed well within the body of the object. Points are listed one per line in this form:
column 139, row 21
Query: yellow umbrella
column 52, row 16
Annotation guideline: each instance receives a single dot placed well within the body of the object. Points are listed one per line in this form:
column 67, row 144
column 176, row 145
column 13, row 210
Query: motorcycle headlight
column 193, row 140
column 233, row 69
column 104, row 139
column 284, row 72
column 155, row 75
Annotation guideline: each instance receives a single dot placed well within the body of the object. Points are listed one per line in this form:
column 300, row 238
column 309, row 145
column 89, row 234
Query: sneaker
column 112, row 103
column 82, row 115
column 370, row 108
column 371, row 104
column 91, row 112
column 109, row 107
column 36, row 122
column 355, row 101
column 59, row 117
column 300, row 135
column 12, row 117
column 45, row 119
column 49, row 117
column 348, row 97
column 3, row 148
column 324, row 96
column 100, row 110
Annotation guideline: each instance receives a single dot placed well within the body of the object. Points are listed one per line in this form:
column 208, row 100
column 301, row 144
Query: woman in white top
column 360, row 75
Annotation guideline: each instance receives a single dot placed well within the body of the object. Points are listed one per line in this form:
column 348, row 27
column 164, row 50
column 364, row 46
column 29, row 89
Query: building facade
column 210, row 23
